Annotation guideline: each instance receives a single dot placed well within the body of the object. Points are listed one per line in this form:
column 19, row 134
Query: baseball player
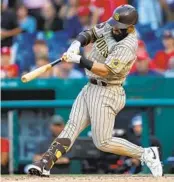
column 111, row 58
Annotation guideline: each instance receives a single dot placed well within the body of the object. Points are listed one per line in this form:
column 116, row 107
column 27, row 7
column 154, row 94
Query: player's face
column 116, row 31
column 119, row 34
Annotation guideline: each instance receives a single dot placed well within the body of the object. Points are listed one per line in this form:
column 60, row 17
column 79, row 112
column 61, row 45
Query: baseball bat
column 37, row 72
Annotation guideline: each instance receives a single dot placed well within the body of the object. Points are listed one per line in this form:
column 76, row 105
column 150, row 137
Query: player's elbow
column 100, row 70
column 103, row 73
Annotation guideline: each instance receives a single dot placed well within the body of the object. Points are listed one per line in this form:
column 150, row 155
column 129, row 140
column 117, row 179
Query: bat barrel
column 24, row 79
column 36, row 73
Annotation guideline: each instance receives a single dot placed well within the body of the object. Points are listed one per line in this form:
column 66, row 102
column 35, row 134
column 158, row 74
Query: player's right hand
column 74, row 47
column 71, row 58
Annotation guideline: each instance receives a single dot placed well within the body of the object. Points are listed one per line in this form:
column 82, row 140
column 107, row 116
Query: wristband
column 85, row 63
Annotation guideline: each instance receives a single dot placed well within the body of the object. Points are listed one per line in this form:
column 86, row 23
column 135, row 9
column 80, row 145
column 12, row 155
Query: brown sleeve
column 86, row 37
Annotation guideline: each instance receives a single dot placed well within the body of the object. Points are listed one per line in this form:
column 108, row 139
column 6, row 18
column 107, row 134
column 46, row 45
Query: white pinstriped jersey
column 98, row 105
column 118, row 56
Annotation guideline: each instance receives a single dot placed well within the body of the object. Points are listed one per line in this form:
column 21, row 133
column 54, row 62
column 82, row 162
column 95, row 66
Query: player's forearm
column 100, row 69
column 83, row 39
column 97, row 68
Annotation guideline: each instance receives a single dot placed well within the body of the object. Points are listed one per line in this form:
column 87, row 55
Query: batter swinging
column 112, row 56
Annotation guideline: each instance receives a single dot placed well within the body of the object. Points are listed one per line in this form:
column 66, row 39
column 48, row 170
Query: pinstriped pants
column 98, row 106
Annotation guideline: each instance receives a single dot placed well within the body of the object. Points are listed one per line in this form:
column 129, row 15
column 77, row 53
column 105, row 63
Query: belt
column 98, row 82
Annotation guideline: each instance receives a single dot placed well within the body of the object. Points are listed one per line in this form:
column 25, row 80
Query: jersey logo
column 102, row 47
column 114, row 63
column 117, row 16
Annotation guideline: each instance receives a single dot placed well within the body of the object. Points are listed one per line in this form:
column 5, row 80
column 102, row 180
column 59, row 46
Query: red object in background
column 152, row 66
column 120, row 162
column 161, row 59
column 105, row 7
column 84, row 2
column 5, row 51
column 143, row 56
column 141, row 44
column 10, row 71
column 83, row 11
column 116, row 3
column 4, row 145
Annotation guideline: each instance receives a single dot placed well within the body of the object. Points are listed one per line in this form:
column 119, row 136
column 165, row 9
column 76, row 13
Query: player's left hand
column 71, row 58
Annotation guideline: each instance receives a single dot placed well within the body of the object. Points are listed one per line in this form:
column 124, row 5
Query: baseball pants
column 98, row 106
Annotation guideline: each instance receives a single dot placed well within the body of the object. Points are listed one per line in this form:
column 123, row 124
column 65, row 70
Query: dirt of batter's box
column 87, row 178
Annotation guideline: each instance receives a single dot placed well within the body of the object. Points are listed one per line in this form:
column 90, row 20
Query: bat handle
column 55, row 62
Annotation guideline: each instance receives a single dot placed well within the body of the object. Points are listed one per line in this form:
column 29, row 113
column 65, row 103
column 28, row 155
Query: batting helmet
column 124, row 16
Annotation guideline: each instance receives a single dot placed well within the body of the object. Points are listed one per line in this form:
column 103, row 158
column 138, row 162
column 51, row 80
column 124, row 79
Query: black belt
column 98, row 82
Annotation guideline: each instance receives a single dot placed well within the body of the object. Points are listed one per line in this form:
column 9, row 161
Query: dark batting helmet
column 123, row 16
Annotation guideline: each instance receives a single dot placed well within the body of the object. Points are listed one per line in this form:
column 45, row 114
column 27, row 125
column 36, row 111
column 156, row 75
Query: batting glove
column 71, row 58
column 74, row 47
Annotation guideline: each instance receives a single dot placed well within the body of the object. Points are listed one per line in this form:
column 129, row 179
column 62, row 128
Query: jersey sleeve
column 118, row 59
column 99, row 30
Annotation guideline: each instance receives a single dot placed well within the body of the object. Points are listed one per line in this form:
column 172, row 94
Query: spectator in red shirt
column 162, row 57
column 142, row 65
column 141, row 47
column 142, row 52
column 8, row 70
column 4, row 155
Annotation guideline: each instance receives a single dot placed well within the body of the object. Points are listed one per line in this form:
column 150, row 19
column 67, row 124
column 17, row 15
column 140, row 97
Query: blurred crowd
column 32, row 34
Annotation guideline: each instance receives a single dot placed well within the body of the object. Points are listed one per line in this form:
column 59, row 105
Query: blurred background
column 36, row 32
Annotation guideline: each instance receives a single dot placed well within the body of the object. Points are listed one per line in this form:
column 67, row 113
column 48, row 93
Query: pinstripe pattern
column 123, row 52
column 104, row 108
column 79, row 118
column 98, row 105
